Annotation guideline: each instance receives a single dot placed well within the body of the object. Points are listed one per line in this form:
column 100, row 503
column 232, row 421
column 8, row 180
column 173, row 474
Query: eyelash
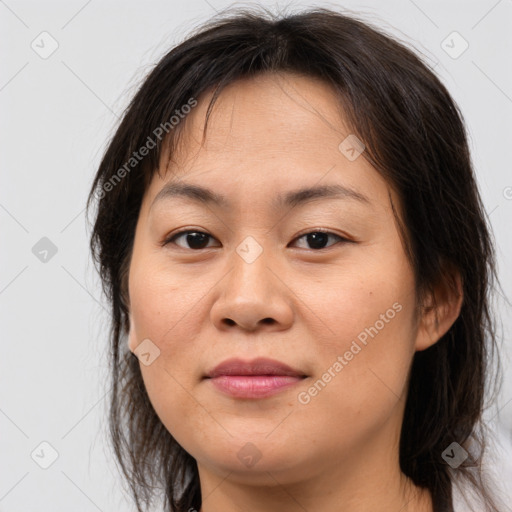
column 171, row 239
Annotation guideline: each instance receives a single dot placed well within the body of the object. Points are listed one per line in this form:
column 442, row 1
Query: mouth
column 258, row 378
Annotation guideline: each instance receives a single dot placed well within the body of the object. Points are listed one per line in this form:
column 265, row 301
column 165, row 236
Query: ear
column 132, row 336
column 440, row 309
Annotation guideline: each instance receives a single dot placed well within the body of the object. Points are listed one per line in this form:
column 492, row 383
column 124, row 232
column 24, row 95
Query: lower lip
column 257, row 386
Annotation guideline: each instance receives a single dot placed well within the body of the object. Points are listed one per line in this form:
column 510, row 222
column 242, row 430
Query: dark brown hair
column 415, row 137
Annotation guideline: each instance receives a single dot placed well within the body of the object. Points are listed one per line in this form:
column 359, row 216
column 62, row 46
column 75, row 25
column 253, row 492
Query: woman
column 256, row 365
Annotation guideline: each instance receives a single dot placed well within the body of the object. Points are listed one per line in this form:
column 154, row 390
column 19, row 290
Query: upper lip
column 259, row 366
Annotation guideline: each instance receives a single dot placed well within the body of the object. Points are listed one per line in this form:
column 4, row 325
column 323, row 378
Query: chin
column 252, row 461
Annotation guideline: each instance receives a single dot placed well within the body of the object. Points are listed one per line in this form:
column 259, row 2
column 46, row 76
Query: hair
column 414, row 136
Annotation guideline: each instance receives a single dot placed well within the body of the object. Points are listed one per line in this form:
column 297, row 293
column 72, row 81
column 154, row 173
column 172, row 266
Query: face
column 321, row 284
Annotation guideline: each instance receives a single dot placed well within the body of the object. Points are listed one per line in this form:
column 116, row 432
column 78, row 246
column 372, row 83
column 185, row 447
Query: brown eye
column 318, row 239
column 198, row 240
column 195, row 239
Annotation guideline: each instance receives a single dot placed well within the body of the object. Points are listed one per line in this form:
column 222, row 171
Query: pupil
column 317, row 239
column 196, row 240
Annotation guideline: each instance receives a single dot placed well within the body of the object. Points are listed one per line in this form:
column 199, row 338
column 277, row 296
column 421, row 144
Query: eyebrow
column 200, row 194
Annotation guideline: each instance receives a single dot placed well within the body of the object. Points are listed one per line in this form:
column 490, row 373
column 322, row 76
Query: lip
column 258, row 378
column 260, row 366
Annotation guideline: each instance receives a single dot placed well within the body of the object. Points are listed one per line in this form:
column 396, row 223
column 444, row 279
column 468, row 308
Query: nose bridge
column 250, row 260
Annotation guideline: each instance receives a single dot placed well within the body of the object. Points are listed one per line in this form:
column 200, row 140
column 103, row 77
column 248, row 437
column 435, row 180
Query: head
column 373, row 284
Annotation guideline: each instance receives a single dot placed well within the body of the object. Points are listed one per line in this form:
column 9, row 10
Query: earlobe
column 440, row 311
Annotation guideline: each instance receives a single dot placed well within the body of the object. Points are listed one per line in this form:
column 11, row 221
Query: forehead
column 277, row 132
column 268, row 114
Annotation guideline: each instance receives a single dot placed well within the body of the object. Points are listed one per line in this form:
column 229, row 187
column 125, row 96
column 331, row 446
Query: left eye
column 318, row 238
column 198, row 239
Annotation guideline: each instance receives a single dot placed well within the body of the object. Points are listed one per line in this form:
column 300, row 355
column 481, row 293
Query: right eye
column 196, row 239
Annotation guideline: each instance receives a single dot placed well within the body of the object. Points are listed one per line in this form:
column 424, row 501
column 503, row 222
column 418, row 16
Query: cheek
column 364, row 360
column 364, row 299
column 360, row 384
column 164, row 305
column 183, row 416
column 162, row 310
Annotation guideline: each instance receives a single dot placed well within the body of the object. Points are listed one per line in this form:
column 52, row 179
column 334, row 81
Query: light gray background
column 57, row 114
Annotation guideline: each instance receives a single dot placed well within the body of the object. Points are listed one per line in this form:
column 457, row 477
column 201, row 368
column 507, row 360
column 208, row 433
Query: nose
column 253, row 296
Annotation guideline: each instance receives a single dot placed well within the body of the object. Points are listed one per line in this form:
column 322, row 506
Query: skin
column 338, row 452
